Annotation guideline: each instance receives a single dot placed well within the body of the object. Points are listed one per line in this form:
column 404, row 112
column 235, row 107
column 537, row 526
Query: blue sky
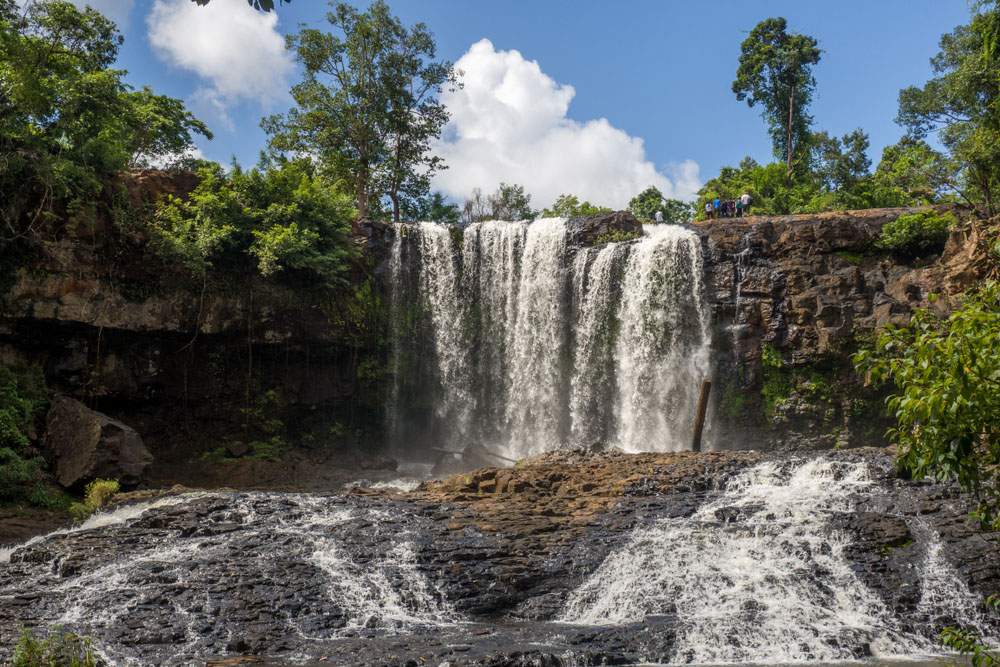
column 655, row 70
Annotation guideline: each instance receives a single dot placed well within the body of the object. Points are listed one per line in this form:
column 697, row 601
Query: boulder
column 589, row 230
column 87, row 445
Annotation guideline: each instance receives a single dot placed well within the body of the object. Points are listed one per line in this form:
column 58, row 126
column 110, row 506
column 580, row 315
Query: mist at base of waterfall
column 514, row 339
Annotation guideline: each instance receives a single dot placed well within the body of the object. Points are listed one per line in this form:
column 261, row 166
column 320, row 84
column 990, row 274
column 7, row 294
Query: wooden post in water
column 699, row 422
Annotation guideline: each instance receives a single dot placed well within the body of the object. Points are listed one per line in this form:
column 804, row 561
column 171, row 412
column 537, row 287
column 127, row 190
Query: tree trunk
column 394, row 196
column 791, row 109
column 361, row 197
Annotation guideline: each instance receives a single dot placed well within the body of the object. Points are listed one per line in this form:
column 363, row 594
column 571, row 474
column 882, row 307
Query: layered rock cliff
column 792, row 298
column 183, row 362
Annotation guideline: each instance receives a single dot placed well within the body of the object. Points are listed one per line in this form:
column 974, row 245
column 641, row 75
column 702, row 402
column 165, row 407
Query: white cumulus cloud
column 508, row 123
column 236, row 51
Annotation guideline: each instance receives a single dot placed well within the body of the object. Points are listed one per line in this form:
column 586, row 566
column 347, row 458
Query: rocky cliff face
column 792, row 296
column 181, row 362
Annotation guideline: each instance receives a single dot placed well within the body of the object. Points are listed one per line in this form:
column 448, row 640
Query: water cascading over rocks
column 513, row 337
column 760, row 575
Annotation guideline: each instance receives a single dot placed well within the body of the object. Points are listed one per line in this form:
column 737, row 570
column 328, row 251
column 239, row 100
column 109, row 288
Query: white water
column 539, row 345
column 758, row 576
column 387, row 592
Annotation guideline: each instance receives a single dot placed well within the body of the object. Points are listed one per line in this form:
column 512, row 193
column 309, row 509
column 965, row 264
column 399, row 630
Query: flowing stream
column 529, row 343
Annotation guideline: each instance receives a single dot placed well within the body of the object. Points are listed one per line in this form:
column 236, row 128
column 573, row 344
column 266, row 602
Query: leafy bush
column 970, row 642
column 22, row 400
column 946, row 372
column 279, row 219
column 59, row 649
column 96, row 496
column 916, row 234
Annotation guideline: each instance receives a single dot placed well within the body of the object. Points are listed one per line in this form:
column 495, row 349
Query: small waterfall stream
column 535, row 344
column 760, row 575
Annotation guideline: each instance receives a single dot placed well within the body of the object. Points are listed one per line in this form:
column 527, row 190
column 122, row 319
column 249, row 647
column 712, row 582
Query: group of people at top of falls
column 728, row 208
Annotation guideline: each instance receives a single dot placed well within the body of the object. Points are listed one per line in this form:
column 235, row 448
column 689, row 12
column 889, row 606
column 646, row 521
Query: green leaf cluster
column 59, row 649
column 960, row 104
column 281, row 219
column 368, row 106
column 22, row 399
column 645, row 205
column 95, row 496
column 68, row 121
column 509, row 202
column 570, row 206
column 946, row 374
column 916, row 234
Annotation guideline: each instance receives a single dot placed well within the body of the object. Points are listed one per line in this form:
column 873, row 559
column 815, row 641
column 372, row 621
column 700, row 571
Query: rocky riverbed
column 565, row 559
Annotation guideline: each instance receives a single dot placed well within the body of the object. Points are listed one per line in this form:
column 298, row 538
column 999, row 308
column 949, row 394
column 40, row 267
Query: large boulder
column 87, row 445
column 590, row 230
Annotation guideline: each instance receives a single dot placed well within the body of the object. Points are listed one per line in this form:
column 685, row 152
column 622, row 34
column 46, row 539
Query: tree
column 569, row 206
column 841, row 164
column 645, row 205
column 367, row 106
column 68, row 123
column 961, row 106
column 281, row 219
column 158, row 127
column 509, row 202
column 433, row 208
column 946, row 374
column 775, row 70
column 914, row 173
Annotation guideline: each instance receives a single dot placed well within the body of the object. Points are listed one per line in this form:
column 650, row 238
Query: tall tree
column 645, row 205
column 775, row 70
column 962, row 106
column 415, row 116
column 366, row 107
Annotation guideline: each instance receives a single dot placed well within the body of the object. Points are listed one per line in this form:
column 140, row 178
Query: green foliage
column 970, row 643
column 772, row 189
column 946, row 374
column 569, row 206
column 777, row 385
column 96, row 496
column 432, row 208
column 616, row 236
column 911, row 173
column 58, row 649
column 509, row 202
column 281, row 218
column 368, row 105
column 960, row 104
column 645, row 205
column 916, row 234
column 22, row 399
column 775, row 70
column 68, row 121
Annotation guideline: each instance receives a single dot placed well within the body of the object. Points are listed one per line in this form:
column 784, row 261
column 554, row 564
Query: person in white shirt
column 659, row 216
column 745, row 200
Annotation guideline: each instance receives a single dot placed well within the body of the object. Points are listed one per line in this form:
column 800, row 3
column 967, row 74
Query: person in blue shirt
column 717, row 205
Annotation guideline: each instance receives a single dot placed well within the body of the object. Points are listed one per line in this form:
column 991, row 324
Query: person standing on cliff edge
column 745, row 200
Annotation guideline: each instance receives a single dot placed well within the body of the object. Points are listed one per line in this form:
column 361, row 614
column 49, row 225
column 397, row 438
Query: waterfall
column 759, row 575
column 539, row 344
column 662, row 351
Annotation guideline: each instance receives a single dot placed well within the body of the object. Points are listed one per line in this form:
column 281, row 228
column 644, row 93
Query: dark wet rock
column 268, row 576
column 589, row 230
column 87, row 445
